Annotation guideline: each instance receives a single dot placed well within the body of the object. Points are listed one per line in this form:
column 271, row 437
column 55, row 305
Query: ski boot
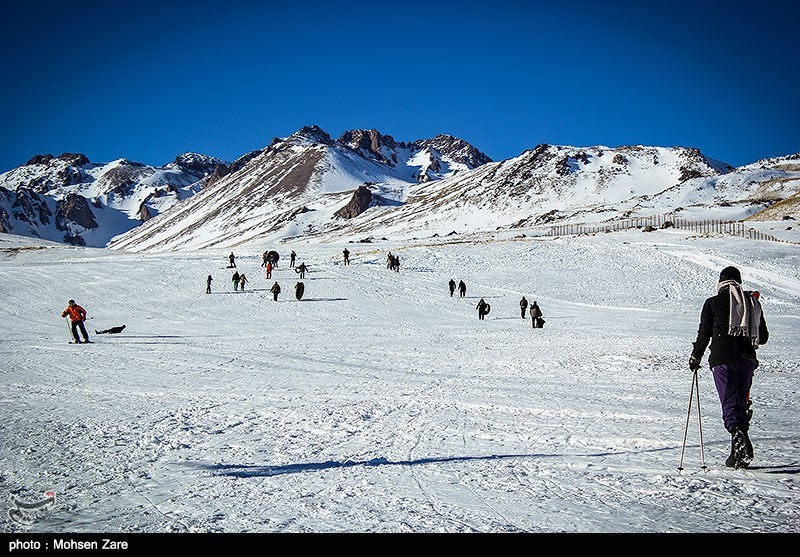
column 741, row 450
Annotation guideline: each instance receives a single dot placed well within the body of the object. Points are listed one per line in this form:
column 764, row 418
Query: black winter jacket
column 725, row 349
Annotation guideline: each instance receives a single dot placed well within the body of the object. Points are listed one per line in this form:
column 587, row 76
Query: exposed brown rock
column 144, row 213
column 359, row 203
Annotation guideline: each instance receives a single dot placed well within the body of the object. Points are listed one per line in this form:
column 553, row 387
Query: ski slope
column 380, row 404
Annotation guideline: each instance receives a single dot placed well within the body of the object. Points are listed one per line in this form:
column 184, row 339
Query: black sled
column 111, row 331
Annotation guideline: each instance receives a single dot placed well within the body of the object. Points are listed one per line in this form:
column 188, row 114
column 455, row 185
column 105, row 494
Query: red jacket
column 76, row 313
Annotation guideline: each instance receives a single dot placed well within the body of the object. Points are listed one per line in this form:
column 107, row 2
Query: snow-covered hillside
column 70, row 199
column 368, row 185
column 379, row 403
column 294, row 187
column 299, row 187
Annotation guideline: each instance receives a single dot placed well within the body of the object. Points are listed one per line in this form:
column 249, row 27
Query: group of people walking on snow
column 537, row 319
column 393, row 262
column 269, row 260
column 732, row 322
column 462, row 288
column 484, row 307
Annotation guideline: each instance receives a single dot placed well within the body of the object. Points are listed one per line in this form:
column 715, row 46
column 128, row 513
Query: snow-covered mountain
column 366, row 184
column 297, row 185
column 69, row 199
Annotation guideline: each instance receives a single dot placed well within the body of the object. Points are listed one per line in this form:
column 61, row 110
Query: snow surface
column 378, row 403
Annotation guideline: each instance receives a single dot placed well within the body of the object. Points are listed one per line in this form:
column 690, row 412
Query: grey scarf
column 745, row 312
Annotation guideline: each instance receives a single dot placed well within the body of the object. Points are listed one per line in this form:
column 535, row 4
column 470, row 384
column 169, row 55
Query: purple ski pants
column 733, row 383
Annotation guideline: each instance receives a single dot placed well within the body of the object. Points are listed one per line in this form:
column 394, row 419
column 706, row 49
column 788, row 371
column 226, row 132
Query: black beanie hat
column 730, row 273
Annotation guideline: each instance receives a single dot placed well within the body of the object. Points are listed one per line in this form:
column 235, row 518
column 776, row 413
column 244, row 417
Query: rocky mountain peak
column 314, row 133
column 72, row 159
column 371, row 142
column 455, row 149
column 195, row 162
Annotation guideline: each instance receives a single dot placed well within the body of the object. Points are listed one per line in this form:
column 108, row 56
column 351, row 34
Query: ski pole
column 692, row 395
column 700, row 422
column 688, row 414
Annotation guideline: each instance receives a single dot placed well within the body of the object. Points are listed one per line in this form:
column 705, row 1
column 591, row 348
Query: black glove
column 694, row 363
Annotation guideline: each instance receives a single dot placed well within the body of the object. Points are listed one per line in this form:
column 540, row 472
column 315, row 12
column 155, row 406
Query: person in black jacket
column 734, row 324
column 483, row 309
column 536, row 313
column 523, row 306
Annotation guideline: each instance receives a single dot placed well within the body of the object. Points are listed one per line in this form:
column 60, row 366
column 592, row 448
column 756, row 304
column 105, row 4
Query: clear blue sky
column 149, row 80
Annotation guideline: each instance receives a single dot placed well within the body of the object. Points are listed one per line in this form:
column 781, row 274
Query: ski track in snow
column 379, row 403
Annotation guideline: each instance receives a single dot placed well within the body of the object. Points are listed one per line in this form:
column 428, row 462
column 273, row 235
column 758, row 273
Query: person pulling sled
column 77, row 316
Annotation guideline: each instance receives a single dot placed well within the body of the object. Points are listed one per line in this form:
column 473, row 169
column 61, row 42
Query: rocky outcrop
column 314, row 134
column 455, row 149
column 373, row 144
column 360, row 202
column 144, row 213
column 219, row 172
column 74, row 209
column 29, row 207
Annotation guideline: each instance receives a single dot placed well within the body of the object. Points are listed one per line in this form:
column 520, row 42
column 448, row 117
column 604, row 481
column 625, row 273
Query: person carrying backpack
column 733, row 323
column 536, row 315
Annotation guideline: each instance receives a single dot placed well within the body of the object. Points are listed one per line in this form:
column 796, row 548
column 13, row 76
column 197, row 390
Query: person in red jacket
column 77, row 315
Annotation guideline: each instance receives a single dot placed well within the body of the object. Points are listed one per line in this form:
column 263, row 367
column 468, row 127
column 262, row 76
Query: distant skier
column 242, row 281
column 536, row 315
column 208, row 284
column 235, row 278
column 452, row 285
column 462, row 289
column 299, row 289
column 232, row 260
column 523, row 305
column 346, row 254
column 301, row 269
column 276, row 289
column 483, row 309
column 292, row 257
column 733, row 322
column 77, row 315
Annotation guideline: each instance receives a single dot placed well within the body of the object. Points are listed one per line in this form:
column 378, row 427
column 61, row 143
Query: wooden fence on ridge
column 705, row 226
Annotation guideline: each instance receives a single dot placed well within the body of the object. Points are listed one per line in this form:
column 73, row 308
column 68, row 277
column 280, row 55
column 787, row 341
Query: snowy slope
column 378, row 403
